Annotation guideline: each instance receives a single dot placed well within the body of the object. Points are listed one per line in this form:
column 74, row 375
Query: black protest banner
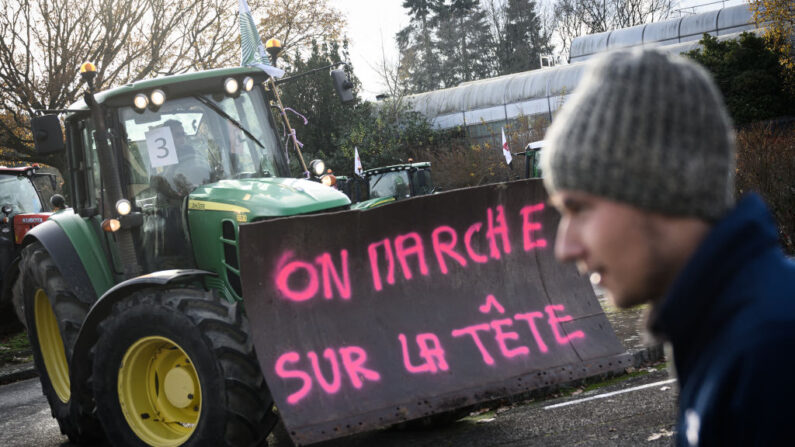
column 362, row 319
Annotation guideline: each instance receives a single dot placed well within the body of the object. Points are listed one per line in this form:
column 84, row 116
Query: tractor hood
column 253, row 199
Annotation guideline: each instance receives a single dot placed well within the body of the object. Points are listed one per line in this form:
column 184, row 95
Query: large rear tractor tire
column 18, row 301
column 54, row 315
column 11, row 321
column 177, row 367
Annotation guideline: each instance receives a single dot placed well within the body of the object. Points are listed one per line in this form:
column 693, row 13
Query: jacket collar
column 695, row 305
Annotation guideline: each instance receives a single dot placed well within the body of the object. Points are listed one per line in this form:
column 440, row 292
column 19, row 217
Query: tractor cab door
column 150, row 238
column 86, row 184
column 421, row 183
column 356, row 188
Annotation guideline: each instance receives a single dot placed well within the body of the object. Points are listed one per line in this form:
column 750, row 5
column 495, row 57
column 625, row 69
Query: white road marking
column 602, row 396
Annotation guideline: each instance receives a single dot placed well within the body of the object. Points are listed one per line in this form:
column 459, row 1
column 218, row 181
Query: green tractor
column 390, row 183
column 133, row 295
column 532, row 154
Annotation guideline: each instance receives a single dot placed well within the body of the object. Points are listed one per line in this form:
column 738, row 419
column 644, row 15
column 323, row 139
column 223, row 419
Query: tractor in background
column 380, row 186
column 24, row 203
column 531, row 154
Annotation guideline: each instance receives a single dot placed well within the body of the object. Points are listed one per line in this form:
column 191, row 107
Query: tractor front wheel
column 176, row 367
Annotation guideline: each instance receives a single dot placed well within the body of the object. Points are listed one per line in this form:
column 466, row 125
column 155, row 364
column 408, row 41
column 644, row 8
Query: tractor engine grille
column 229, row 242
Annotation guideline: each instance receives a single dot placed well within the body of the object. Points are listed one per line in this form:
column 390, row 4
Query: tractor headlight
column 317, row 167
column 158, row 97
column 231, row 86
column 248, row 83
column 123, row 207
column 111, row 225
column 140, row 101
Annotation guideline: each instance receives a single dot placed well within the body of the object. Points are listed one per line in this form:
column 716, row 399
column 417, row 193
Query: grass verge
column 15, row 348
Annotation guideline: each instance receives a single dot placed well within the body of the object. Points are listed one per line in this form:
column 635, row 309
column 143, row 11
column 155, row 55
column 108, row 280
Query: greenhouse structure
column 482, row 107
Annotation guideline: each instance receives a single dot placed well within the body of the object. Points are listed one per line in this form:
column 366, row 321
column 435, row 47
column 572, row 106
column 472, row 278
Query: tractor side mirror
column 342, row 85
column 47, row 134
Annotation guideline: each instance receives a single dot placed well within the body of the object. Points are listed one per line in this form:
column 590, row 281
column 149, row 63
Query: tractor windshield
column 200, row 139
column 390, row 184
column 19, row 192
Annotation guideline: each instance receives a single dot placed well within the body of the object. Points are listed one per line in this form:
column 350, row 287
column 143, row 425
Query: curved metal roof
column 542, row 91
column 494, row 99
column 718, row 22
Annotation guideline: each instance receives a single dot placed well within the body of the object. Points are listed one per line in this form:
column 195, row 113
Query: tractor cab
column 400, row 181
column 531, row 156
column 191, row 154
column 379, row 186
column 25, row 189
column 202, row 140
column 24, row 203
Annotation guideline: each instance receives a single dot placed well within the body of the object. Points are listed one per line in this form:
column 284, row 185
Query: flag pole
column 287, row 123
column 506, row 152
column 252, row 54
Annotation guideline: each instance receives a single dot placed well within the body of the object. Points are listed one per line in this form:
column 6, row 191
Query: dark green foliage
column 463, row 37
column 422, row 9
column 752, row 82
column 419, row 59
column 749, row 76
column 454, row 41
column 524, row 39
column 14, row 348
column 385, row 133
column 314, row 97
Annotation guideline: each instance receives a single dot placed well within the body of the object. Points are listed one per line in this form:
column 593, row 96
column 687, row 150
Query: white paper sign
column 160, row 145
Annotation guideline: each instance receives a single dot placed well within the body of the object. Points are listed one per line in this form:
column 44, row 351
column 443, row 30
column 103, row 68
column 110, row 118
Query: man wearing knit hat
column 640, row 163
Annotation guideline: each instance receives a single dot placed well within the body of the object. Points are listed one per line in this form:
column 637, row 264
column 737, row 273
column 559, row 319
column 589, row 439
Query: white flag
column 357, row 162
column 252, row 50
column 505, row 150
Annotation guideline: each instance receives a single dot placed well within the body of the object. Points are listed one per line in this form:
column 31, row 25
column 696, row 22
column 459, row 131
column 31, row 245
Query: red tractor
column 23, row 205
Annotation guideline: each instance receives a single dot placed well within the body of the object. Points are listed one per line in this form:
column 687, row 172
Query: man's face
column 617, row 244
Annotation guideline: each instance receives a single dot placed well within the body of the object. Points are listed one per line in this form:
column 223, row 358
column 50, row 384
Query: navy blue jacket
column 730, row 317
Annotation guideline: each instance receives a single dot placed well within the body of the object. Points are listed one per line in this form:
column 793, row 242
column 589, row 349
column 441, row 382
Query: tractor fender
column 63, row 253
column 85, row 238
column 81, row 362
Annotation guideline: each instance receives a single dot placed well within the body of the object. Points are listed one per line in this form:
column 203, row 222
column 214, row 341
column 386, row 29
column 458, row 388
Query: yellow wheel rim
column 51, row 346
column 159, row 392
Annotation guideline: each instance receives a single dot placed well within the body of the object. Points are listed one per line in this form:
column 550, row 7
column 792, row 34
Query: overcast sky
column 373, row 23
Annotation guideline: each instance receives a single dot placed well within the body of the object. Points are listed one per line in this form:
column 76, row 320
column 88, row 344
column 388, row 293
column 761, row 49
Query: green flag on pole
column 253, row 52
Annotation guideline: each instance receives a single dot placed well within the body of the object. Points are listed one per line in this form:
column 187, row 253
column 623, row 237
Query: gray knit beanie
column 646, row 128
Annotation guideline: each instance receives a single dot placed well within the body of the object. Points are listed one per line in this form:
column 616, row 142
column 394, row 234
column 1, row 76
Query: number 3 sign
column 160, row 145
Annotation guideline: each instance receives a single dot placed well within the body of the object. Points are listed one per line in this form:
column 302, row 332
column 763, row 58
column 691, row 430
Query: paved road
column 25, row 418
column 632, row 417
